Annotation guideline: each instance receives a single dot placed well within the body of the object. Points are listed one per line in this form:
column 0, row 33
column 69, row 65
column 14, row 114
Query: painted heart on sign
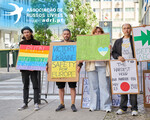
column 103, row 51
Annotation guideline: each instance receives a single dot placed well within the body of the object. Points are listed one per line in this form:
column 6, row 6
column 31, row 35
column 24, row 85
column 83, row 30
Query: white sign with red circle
column 124, row 77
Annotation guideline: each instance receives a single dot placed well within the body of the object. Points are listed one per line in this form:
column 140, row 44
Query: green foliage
column 79, row 17
column 42, row 33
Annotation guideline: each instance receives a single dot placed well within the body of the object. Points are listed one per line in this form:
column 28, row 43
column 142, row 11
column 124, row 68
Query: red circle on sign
column 125, row 86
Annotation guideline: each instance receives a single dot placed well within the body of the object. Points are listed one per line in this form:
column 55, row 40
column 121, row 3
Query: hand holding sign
column 120, row 58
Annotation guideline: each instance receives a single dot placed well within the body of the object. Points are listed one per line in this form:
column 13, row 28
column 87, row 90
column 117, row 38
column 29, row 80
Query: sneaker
column 134, row 113
column 108, row 111
column 91, row 110
column 73, row 107
column 60, row 107
column 120, row 112
column 36, row 107
column 24, row 106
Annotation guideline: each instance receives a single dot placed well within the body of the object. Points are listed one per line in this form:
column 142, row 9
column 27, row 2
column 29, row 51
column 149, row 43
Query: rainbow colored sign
column 32, row 57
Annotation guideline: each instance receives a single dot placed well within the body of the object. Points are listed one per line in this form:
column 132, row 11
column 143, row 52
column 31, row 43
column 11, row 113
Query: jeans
column 133, row 102
column 100, row 97
column 25, row 80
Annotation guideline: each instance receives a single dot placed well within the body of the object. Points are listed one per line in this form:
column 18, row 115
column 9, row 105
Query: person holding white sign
column 123, row 49
column 99, row 86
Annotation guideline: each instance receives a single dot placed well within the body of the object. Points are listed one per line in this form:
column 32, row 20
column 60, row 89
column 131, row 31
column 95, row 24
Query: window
column 96, row 0
column 129, row 9
column 129, row 19
column 118, row 9
column 96, row 9
column 131, row 0
column 7, row 40
column 6, row 17
column 27, row 2
column 107, row 9
column 117, row 29
column 15, row 17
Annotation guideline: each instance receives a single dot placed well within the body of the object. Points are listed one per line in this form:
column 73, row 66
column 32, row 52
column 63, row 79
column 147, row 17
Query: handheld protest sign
column 146, row 87
column 32, row 57
column 141, row 43
column 62, row 65
column 93, row 47
column 85, row 99
column 124, row 77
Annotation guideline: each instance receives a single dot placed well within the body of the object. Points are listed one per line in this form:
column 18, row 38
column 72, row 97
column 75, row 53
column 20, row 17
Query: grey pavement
column 8, row 111
column 11, row 99
column 4, row 75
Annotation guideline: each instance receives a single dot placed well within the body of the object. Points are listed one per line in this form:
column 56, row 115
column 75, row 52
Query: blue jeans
column 100, row 97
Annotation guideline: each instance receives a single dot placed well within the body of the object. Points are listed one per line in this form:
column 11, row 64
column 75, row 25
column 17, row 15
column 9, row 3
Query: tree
column 42, row 31
column 79, row 17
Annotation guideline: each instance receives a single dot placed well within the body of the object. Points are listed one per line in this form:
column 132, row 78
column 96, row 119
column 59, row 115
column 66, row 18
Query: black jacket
column 29, row 42
column 117, row 48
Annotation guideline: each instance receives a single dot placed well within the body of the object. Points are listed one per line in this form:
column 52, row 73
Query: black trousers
column 26, row 75
column 124, row 101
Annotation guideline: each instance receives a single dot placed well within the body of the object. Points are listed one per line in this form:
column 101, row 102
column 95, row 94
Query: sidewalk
column 4, row 75
column 8, row 111
column 9, row 107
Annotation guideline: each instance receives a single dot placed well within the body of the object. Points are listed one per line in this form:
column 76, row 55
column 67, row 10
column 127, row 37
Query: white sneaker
column 120, row 112
column 36, row 107
column 24, row 106
column 108, row 111
column 91, row 110
column 134, row 113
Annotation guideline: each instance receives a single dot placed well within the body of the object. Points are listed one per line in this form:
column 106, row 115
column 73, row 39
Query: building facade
column 144, row 13
column 9, row 31
column 117, row 11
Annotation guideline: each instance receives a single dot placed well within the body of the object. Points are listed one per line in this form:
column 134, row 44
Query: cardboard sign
column 141, row 38
column 32, row 57
column 124, row 77
column 85, row 100
column 146, row 87
column 116, row 99
column 93, row 47
column 62, row 62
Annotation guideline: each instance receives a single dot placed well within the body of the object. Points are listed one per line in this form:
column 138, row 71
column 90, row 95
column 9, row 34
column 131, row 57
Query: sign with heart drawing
column 93, row 47
column 103, row 51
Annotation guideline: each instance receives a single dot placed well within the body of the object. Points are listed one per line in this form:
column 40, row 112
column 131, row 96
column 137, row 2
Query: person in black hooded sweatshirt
column 28, row 39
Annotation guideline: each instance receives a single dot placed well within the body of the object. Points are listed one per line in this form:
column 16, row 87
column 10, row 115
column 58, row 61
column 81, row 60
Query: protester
column 100, row 97
column 72, row 85
column 123, row 49
column 28, row 39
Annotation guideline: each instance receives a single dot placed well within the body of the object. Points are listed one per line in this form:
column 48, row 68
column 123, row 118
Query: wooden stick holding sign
column 62, row 62
column 124, row 77
column 146, row 87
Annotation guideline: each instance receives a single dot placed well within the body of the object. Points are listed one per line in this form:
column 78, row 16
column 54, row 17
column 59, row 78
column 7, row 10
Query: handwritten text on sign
column 32, row 57
column 124, row 77
column 64, row 61
column 86, row 94
column 147, row 87
column 142, row 42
